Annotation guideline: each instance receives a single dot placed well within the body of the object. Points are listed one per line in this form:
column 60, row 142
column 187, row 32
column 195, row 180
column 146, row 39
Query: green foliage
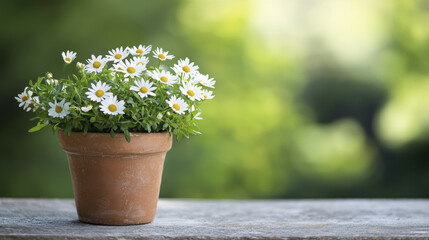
column 38, row 127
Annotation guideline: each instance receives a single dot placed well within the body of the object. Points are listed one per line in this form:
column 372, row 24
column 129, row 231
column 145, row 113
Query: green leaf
column 85, row 130
column 127, row 135
column 112, row 133
column 34, row 118
column 39, row 80
column 68, row 129
column 92, row 119
column 179, row 137
column 125, row 122
column 77, row 93
column 130, row 100
column 37, row 127
column 76, row 78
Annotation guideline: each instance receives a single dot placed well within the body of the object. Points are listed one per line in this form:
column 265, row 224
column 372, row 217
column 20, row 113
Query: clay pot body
column 116, row 182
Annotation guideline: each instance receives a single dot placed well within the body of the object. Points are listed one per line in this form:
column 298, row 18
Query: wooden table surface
column 227, row 219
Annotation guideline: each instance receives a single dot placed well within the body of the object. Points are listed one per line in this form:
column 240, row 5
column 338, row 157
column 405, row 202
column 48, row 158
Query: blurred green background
column 314, row 98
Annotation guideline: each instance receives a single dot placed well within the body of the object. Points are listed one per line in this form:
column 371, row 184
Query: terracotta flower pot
column 116, row 182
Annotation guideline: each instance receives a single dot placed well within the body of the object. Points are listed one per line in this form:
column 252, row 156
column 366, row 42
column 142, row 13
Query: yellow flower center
column 191, row 93
column 186, row 69
column 25, row 98
column 120, row 69
column 118, row 56
column 139, row 51
column 68, row 59
column 143, row 89
column 58, row 109
column 99, row 93
column 164, row 79
column 141, row 63
column 131, row 70
column 205, row 96
column 96, row 64
column 161, row 56
column 112, row 108
column 176, row 106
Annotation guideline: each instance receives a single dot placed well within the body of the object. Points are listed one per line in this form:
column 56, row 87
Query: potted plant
column 115, row 121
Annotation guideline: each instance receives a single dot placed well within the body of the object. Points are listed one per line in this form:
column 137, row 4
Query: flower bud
column 52, row 81
column 80, row 65
column 159, row 116
column 49, row 75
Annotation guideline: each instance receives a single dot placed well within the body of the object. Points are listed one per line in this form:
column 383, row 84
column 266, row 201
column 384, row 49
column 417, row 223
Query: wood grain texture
column 211, row 219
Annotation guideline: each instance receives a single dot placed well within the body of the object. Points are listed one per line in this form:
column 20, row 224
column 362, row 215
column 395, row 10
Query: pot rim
column 103, row 144
column 116, row 133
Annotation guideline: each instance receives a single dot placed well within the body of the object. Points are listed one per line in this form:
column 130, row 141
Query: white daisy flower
column 204, row 80
column 140, row 50
column 141, row 60
column 207, row 94
column 99, row 92
column 112, row 106
column 130, row 68
column 193, row 92
column 159, row 116
column 68, row 56
column 59, row 110
column 164, row 77
column 33, row 104
column 95, row 64
column 177, row 104
column 117, row 55
column 185, row 67
column 86, row 108
column 144, row 88
column 24, row 98
column 162, row 55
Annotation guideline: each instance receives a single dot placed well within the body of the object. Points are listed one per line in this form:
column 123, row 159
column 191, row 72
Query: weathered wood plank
column 211, row 219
